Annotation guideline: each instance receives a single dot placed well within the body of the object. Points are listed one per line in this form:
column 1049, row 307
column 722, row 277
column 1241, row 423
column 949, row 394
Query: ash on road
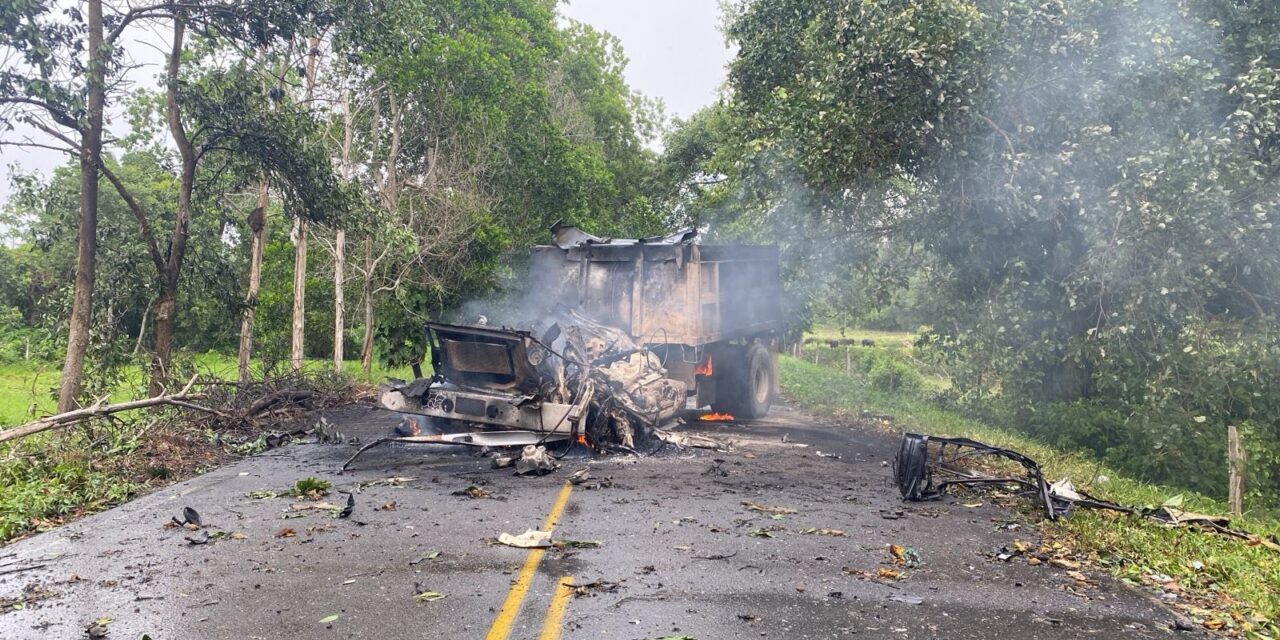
column 679, row 554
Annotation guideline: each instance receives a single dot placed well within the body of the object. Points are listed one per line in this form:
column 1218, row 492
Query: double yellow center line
column 506, row 619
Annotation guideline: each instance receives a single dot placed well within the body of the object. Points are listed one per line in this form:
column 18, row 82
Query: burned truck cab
column 490, row 376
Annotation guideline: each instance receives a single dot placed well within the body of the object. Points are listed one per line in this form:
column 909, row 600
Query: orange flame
column 704, row 369
column 582, row 439
column 716, row 417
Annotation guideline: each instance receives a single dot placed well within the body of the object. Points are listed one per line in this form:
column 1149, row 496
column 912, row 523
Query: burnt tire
column 744, row 382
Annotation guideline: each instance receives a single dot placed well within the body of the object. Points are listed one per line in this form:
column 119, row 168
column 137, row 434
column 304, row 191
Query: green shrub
column 40, row 489
column 888, row 373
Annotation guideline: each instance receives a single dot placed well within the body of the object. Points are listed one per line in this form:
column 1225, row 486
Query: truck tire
column 744, row 383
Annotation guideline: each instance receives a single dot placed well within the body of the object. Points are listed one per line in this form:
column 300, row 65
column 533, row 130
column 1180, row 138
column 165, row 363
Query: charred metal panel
column 479, row 357
column 665, row 293
column 484, row 357
column 607, row 292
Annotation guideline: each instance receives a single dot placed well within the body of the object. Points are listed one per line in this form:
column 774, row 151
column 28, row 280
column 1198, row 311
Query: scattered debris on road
column 904, row 556
column 430, row 556
column 824, row 532
column 97, row 628
column 905, row 599
column 575, row 544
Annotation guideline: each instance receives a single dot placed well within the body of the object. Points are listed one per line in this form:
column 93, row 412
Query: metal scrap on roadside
column 927, row 466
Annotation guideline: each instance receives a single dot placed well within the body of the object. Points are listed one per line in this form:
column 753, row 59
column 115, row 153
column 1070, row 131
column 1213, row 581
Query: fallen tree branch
column 284, row 396
column 98, row 410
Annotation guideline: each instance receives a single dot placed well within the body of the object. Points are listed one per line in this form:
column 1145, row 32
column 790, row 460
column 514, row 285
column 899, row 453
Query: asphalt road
column 677, row 553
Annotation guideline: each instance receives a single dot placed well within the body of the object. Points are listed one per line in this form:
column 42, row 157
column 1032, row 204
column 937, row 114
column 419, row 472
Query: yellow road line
column 555, row 613
column 506, row 619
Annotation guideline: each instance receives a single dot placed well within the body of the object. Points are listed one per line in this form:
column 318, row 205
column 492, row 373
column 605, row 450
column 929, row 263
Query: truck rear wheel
column 744, row 383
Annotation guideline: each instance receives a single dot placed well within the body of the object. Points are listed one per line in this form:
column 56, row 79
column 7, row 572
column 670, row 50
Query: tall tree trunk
column 340, row 243
column 258, row 242
column 366, row 347
column 300, row 243
column 87, row 251
column 299, row 293
column 166, row 318
column 390, row 194
column 339, row 304
column 167, row 302
column 258, row 228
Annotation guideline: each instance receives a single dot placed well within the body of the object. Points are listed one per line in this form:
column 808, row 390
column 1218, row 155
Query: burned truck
column 623, row 337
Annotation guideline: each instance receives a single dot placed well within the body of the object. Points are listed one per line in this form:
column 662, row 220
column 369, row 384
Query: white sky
column 675, row 47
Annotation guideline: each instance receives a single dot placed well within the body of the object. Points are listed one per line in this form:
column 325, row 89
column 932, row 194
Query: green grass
column 49, row 478
column 18, row 394
column 225, row 366
column 897, row 345
column 1236, row 580
column 23, row 386
column 883, row 339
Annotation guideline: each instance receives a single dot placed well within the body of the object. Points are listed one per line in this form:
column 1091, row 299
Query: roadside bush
column 1073, row 426
column 54, row 480
column 891, row 374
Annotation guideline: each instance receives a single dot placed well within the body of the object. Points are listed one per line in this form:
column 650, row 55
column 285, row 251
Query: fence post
column 1235, row 469
column 848, row 360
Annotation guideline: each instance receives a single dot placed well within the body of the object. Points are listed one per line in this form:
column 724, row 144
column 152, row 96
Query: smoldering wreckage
column 624, row 338
column 630, row 337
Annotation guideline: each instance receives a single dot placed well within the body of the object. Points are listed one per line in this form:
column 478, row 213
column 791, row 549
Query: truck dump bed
column 663, row 290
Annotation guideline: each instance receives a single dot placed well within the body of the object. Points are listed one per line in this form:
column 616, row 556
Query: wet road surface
column 680, row 554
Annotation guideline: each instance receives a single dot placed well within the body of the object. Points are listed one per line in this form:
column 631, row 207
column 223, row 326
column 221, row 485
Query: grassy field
column 25, row 389
column 29, row 389
column 1222, row 582
column 894, row 345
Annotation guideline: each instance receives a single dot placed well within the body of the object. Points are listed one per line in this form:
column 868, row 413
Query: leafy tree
column 1094, row 179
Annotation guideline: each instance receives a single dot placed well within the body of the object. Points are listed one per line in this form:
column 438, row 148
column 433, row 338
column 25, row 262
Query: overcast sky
column 675, row 47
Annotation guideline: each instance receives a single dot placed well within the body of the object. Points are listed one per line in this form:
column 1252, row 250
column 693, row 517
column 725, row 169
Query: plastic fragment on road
column 531, row 539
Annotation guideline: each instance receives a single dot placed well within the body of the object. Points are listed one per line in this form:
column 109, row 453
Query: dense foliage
column 1083, row 190
column 470, row 128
